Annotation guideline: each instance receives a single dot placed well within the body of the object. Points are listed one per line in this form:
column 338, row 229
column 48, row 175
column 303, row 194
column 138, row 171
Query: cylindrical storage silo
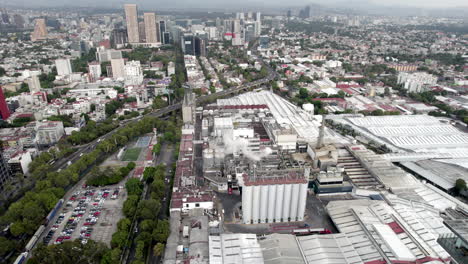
column 247, row 204
column 271, row 202
column 302, row 202
column 263, row 203
column 294, row 201
column 279, row 202
column 208, row 158
column 219, row 156
column 256, row 204
column 287, row 202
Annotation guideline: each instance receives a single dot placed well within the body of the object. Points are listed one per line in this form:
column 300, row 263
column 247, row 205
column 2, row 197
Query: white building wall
column 271, row 202
column 63, row 67
column 294, row 201
column 279, row 203
column 263, row 203
column 256, row 204
column 302, row 202
column 286, row 202
column 247, row 204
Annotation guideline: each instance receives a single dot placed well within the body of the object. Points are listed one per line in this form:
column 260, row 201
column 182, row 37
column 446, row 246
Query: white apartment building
column 95, row 71
column 416, row 82
column 49, row 132
column 63, row 67
column 118, row 68
column 133, row 73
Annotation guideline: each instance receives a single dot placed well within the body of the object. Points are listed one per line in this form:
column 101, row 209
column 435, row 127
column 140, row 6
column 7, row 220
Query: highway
column 89, row 147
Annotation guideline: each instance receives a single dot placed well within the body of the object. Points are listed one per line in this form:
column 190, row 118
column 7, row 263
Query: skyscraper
column 258, row 24
column 131, row 16
column 40, row 30
column 141, row 31
column 150, row 28
column 119, row 37
column 162, row 31
column 4, row 112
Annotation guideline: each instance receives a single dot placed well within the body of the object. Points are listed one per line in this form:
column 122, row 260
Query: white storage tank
column 286, row 202
column 218, row 156
column 279, row 203
column 302, row 202
column 271, row 202
column 247, row 204
column 263, row 203
column 256, row 204
column 208, row 158
column 294, row 201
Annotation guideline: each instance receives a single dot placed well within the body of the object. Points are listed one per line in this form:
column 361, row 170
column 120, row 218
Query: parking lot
column 89, row 213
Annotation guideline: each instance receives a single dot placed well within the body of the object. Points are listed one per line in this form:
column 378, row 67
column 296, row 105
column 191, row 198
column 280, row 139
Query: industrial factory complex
column 260, row 180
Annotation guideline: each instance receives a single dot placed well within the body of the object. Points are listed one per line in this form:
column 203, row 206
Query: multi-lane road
column 86, row 148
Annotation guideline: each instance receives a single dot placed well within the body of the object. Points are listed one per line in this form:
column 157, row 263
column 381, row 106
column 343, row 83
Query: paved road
column 89, row 147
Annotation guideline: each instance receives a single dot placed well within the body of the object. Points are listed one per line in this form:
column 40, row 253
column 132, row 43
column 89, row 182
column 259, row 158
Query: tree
column 460, row 186
column 387, row 91
column 157, row 149
column 134, row 187
column 130, row 205
column 124, row 224
column 69, row 252
column 119, row 239
column 162, row 231
column 6, row 245
column 158, row 249
column 148, row 209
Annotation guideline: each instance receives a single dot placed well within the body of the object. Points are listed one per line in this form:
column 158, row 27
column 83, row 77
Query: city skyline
column 256, row 3
column 262, row 134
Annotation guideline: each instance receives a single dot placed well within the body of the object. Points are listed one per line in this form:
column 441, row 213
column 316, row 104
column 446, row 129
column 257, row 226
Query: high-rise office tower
column 258, row 24
column 162, row 30
column 236, row 27
column 40, row 30
column 150, row 28
column 119, row 37
column 19, row 20
column 4, row 111
column 131, row 16
column 141, row 31
column 63, row 67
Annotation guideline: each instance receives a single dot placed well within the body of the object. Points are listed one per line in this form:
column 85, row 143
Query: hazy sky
column 164, row 4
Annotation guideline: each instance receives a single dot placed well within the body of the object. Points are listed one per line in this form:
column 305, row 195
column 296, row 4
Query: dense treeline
column 108, row 176
column 91, row 131
column 150, row 229
column 70, row 252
